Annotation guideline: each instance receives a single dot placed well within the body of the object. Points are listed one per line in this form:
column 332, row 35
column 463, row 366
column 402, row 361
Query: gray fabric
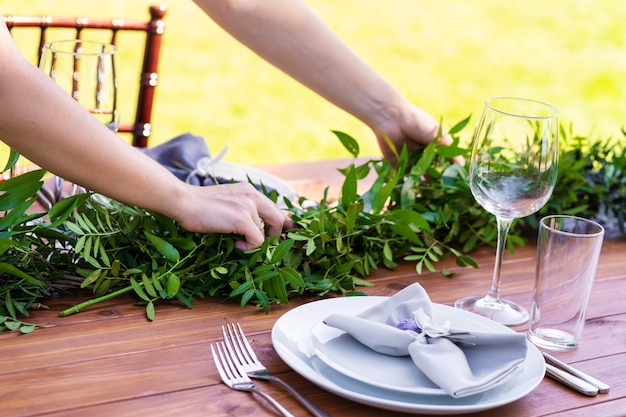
column 459, row 362
column 180, row 156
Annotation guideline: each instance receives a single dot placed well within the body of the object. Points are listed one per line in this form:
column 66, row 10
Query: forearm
column 291, row 37
column 44, row 124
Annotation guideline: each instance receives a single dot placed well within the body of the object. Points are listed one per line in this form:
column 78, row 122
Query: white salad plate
column 338, row 365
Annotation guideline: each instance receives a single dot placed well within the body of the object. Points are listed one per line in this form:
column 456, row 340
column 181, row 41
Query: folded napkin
column 460, row 362
column 187, row 157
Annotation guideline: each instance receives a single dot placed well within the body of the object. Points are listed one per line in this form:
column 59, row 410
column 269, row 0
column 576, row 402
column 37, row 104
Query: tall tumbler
column 568, row 249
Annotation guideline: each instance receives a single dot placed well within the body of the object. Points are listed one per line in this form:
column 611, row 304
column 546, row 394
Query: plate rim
column 346, row 389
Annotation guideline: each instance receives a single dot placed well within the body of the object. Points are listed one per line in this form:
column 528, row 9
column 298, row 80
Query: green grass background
column 447, row 57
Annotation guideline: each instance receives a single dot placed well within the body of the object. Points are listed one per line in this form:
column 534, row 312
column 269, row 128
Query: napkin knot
column 204, row 165
column 429, row 328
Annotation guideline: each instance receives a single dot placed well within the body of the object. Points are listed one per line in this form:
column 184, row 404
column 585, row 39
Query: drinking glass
column 513, row 170
column 86, row 70
column 568, row 250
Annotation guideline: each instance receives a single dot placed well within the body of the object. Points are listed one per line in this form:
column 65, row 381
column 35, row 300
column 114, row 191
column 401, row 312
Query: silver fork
column 237, row 379
column 239, row 349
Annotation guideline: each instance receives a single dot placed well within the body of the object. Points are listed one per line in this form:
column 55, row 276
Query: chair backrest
column 154, row 28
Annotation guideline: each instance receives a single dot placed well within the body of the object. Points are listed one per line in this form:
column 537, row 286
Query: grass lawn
column 447, row 57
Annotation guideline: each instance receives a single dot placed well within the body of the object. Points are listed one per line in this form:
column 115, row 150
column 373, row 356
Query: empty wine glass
column 513, row 170
column 86, row 70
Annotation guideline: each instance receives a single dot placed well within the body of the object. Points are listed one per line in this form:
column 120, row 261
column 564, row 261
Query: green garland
column 420, row 211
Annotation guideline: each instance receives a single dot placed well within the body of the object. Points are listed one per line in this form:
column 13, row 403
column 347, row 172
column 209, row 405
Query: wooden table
column 108, row 360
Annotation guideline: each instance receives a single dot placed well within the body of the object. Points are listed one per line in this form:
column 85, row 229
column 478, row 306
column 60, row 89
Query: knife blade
column 602, row 387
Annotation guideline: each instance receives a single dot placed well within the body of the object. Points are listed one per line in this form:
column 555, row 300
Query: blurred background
column 447, row 57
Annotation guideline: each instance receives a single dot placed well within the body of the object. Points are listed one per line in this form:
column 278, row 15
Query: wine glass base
column 503, row 311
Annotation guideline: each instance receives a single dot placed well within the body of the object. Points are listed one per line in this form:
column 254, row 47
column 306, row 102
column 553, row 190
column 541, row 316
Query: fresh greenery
column 420, row 211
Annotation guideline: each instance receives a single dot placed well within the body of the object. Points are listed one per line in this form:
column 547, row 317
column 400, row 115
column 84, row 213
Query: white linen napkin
column 461, row 363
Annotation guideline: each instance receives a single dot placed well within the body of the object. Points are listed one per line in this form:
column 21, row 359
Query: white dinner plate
column 241, row 173
column 292, row 339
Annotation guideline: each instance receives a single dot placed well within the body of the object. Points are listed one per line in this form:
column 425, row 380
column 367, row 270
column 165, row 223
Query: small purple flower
column 409, row 324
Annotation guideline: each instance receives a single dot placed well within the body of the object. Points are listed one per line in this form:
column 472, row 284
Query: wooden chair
column 80, row 26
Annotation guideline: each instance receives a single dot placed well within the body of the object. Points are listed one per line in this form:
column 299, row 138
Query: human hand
column 237, row 208
column 411, row 126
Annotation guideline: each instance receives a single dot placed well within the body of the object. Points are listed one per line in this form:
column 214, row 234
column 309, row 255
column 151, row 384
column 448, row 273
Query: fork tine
column 228, row 368
column 218, row 364
column 244, row 342
column 235, row 345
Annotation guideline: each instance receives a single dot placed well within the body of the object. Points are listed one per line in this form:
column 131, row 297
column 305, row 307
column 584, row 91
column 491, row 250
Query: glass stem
column 503, row 231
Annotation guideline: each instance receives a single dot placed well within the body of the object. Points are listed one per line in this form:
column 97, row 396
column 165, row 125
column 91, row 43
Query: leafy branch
column 419, row 211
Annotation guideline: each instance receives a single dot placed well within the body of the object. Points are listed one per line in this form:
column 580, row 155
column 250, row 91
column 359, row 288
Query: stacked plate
column 333, row 360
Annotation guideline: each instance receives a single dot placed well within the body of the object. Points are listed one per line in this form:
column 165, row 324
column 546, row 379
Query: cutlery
column 601, row 386
column 571, row 381
column 236, row 379
column 239, row 348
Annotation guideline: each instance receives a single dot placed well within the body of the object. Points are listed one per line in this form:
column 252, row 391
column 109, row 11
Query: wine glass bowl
column 86, row 70
column 512, row 173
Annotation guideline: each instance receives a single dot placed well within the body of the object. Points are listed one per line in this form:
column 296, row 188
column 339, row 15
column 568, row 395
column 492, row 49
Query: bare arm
column 43, row 123
column 293, row 38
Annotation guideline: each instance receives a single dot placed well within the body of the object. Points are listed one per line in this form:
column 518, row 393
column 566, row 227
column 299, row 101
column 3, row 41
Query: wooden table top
column 108, row 360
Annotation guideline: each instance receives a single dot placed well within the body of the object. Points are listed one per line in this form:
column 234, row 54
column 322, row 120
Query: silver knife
column 571, row 381
column 601, row 386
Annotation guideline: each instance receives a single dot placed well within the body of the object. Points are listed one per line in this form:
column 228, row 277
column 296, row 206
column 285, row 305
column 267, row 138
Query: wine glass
column 513, row 170
column 86, row 70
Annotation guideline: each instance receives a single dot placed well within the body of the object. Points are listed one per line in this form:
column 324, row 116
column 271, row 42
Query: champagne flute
column 86, row 70
column 513, row 170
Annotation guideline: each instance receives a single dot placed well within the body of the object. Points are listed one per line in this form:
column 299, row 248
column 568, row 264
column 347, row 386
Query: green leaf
column 85, row 223
column 104, row 257
column 138, row 290
column 5, row 244
column 80, row 243
column 25, row 329
column 74, row 228
column 8, row 303
column 281, row 251
column 17, row 194
column 62, row 210
column 147, row 284
column 292, row 276
column 173, row 285
column 279, row 288
column 460, row 125
column 150, row 312
column 348, row 142
column 25, row 180
column 349, row 188
column 13, row 270
column 424, row 163
column 164, row 247
column 13, row 158
column 387, row 252
column 310, row 246
column 412, row 217
column 12, row 325
column 91, row 278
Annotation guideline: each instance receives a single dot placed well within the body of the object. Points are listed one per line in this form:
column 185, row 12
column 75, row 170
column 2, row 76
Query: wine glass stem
column 503, row 231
